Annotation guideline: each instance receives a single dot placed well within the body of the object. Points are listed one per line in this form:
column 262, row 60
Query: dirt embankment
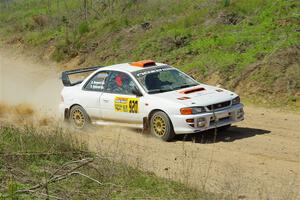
column 272, row 80
column 257, row 159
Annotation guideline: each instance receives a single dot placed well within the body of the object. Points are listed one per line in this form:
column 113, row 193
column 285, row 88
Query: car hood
column 201, row 95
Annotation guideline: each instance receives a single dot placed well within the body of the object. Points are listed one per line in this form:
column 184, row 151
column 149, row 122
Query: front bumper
column 206, row 121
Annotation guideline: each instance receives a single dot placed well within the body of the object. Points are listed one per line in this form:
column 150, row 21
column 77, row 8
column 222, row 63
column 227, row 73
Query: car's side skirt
column 120, row 124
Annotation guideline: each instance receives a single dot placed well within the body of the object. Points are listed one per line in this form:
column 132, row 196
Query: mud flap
column 67, row 115
column 145, row 125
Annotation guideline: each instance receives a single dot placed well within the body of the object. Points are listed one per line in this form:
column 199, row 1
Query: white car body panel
column 108, row 111
column 101, row 105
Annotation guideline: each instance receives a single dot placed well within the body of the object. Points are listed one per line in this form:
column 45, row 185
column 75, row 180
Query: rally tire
column 161, row 126
column 79, row 118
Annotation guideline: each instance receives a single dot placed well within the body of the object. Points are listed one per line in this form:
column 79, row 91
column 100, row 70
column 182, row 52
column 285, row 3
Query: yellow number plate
column 123, row 104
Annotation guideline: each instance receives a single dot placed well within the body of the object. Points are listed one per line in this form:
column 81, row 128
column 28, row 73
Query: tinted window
column 120, row 83
column 96, row 83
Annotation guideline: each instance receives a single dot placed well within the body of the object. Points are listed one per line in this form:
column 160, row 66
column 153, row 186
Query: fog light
column 201, row 122
column 240, row 113
column 189, row 120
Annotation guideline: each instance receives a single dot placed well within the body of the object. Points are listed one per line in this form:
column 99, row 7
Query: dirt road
column 257, row 159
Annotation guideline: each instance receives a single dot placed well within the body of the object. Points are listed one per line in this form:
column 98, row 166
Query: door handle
column 106, row 100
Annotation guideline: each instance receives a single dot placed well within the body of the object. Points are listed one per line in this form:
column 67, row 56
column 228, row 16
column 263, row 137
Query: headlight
column 236, row 100
column 192, row 110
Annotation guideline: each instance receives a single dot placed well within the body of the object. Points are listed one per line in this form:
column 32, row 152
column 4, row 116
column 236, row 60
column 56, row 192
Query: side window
column 96, row 83
column 120, row 83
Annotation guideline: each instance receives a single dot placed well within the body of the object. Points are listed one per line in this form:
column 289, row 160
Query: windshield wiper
column 171, row 89
column 158, row 91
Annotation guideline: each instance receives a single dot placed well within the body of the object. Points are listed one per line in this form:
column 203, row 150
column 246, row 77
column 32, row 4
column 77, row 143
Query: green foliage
column 83, row 28
column 28, row 139
column 60, row 51
column 22, row 150
column 12, row 188
column 226, row 3
column 224, row 36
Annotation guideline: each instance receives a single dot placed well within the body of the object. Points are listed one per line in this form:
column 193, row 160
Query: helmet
column 119, row 80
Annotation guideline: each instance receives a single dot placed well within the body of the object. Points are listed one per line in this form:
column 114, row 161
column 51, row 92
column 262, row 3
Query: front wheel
column 79, row 118
column 161, row 127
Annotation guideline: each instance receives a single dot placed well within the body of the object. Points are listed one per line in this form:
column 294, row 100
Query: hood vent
column 183, row 98
column 192, row 90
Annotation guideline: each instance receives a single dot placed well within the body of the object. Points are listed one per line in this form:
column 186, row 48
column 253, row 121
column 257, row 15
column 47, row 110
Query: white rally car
column 153, row 96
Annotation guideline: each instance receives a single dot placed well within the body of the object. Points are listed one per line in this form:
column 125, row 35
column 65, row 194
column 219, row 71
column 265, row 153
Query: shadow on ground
column 230, row 135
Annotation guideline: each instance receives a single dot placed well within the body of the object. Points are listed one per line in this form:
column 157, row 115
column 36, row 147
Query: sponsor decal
column 155, row 70
column 124, row 104
column 97, row 85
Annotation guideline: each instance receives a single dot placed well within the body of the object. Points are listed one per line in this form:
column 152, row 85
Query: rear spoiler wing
column 65, row 75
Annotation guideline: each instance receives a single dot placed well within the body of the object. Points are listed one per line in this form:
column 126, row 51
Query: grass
column 30, row 156
column 206, row 37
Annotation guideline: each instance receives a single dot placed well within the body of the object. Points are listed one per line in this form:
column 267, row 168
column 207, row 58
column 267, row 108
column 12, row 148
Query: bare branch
column 54, row 178
column 92, row 179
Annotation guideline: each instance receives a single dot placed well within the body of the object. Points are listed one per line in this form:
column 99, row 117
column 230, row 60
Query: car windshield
column 163, row 79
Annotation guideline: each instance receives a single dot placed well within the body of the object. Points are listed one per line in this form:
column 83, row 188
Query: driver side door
column 118, row 103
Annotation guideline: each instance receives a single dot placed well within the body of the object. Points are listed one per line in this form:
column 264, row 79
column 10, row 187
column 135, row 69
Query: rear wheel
column 79, row 118
column 161, row 127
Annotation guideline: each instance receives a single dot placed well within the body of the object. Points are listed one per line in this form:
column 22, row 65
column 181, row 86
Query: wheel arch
column 167, row 136
column 68, row 110
column 152, row 112
column 157, row 110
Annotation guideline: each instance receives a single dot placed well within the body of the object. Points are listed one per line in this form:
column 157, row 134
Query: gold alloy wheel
column 159, row 126
column 78, row 118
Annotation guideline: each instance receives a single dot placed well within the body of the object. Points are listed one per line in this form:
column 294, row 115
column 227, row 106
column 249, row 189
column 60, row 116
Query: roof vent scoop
column 143, row 63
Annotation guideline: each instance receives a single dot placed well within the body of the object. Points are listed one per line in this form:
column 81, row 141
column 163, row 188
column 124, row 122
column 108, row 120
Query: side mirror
column 136, row 92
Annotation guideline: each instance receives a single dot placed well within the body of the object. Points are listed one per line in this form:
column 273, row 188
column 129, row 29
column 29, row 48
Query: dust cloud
column 24, row 83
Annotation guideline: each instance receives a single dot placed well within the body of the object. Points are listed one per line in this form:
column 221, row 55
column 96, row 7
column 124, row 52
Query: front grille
column 218, row 106
column 213, row 123
column 220, row 120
